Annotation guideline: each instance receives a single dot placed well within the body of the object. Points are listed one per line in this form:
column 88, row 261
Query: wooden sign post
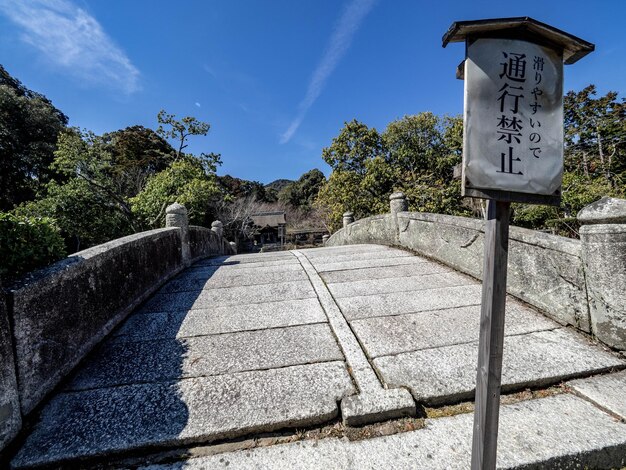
column 512, row 152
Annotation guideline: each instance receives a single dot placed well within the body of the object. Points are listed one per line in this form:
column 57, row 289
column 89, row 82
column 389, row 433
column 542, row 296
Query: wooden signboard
column 512, row 152
column 513, row 121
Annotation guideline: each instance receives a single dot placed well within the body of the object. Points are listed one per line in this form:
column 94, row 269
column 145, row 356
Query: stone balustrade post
column 348, row 218
column 603, row 237
column 325, row 239
column 398, row 203
column 176, row 216
column 218, row 228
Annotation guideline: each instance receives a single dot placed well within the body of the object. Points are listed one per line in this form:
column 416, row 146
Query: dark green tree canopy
column 29, row 126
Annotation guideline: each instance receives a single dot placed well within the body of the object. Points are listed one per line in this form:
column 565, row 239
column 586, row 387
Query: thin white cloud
column 197, row 104
column 338, row 45
column 74, row 41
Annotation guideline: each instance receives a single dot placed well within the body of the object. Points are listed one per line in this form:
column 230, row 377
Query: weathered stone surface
column 380, row 229
column 203, row 241
column 448, row 374
column 350, row 257
column 227, row 319
column 367, row 263
column 556, row 283
column 62, row 312
column 244, row 270
column 397, row 303
column 277, row 257
column 97, row 422
column 122, row 363
column 382, row 336
column 373, row 402
column 402, row 270
column 236, row 295
column 545, row 433
column 604, row 254
column 10, row 415
column 606, row 391
column 607, row 210
column 366, row 408
column 544, row 270
column 224, row 278
column 401, row 284
column 311, row 253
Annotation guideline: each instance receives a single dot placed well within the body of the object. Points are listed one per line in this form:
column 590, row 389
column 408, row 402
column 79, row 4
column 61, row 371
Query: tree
column 88, row 157
column 180, row 131
column 415, row 154
column 136, row 154
column 85, row 217
column 29, row 126
column 302, row 193
column 353, row 147
column 595, row 135
column 186, row 182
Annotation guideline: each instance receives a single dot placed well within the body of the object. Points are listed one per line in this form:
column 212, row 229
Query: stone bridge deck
column 243, row 345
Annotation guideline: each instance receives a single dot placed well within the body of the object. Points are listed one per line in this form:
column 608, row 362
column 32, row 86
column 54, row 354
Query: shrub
column 27, row 243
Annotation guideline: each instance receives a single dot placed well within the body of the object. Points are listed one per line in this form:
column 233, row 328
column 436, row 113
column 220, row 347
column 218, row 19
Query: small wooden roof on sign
column 523, row 28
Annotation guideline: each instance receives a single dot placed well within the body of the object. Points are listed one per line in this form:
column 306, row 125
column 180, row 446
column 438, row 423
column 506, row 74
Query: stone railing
column 576, row 282
column 54, row 317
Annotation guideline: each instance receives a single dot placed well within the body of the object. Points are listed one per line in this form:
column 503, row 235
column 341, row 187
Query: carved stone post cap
column 397, row 195
column 176, row 208
column 608, row 210
column 348, row 214
column 217, row 223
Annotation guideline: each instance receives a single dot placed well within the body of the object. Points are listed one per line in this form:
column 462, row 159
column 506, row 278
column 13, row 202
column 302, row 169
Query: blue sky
column 276, row 79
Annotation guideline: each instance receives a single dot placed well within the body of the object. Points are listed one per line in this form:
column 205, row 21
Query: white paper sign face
column 513, row 121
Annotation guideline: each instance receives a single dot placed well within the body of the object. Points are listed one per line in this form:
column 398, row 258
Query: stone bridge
column 167, row 350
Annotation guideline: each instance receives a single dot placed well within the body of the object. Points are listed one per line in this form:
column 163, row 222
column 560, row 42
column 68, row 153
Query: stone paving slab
column 401, row 270
column 229, row 296
column 312, row 253
column 258, row 269
column 397, row 303
column 222, row 279
column 282, row 257
column 227, row 319
column 373, row 402
column 367, row 263
column 383, row 336
column 120, row 363
column 399, row 284
column 448, row 374
column 544, row 433
column 199, row 410
column 606, row 391
column 359, row 256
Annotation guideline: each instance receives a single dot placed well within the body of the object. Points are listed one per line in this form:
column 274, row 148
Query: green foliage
column 185, row 182
column 136, row 154
column 29, row 125
column 353, row 147
column 415, row 154
column 27, row 243
column 239, row 188
column 302, row 193
column 180, row 131
column 85, row 217
column 595, row 135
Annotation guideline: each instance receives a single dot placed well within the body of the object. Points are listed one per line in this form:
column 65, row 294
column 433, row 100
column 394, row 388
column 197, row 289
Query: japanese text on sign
column 513, row 139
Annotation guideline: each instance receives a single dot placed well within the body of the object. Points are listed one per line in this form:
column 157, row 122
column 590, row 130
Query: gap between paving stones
column 373, row 403
column 105, row 422
column 532, row 436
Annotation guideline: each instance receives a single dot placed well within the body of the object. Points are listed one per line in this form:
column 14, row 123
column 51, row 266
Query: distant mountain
column 278, row 185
